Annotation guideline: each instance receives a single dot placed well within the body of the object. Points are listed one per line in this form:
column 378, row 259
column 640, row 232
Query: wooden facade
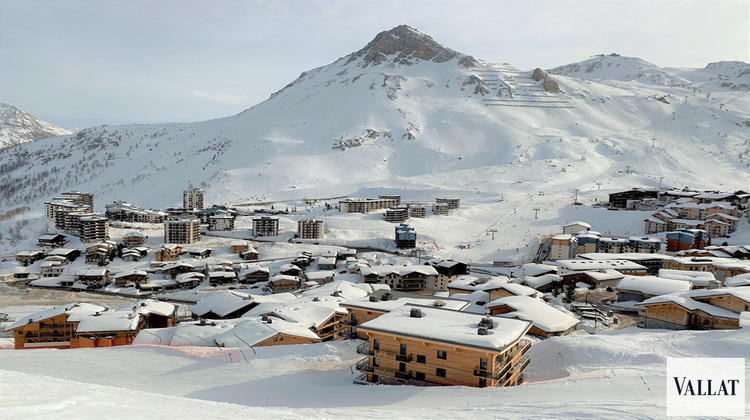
column 674, row 316
column 396, row 358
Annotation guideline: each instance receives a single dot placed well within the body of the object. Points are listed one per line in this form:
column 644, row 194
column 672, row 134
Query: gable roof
column 542, row 315
column 74, row 310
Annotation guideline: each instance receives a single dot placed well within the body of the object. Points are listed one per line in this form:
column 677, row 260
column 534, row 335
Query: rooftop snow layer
column 543, row 316
column 452, row 327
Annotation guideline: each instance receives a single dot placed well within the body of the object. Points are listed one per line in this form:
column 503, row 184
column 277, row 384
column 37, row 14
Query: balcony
column 498, row 373
column 517, row 369
column 364, row 365
column 364, row 348
column 392, row 374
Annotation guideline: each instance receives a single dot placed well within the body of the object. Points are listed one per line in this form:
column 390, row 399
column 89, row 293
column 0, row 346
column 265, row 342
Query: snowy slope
column 409, row 114
column 609, row 375
column 17, row 127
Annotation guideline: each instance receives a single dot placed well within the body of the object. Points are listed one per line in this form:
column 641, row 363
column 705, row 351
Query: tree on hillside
column 570, row 291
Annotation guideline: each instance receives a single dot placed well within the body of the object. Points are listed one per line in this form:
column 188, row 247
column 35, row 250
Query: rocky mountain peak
column 17, row 126
column 406, row 45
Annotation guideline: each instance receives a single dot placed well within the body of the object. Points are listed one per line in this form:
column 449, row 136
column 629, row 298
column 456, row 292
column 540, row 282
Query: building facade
column 310, row 228
column 192, row 198
column 179, row 230
column 266, row 226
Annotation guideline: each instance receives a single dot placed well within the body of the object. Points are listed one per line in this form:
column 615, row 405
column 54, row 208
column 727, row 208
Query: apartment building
column 182, row 230
column 425, row 346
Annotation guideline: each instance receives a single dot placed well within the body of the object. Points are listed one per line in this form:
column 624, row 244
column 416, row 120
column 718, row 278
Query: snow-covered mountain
column 406, row 112
column 17, row 127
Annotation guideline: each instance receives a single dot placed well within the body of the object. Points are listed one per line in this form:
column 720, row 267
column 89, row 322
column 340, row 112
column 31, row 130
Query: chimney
column 482, row 330
column 415, row 313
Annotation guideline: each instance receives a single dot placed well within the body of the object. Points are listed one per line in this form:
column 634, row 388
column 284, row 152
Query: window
column 421, row 359
column 419, row 376
column 276, row 339
column 483, row 364
column 375, row 344
column 403, row 349
column 440, row 372
column 442, row 354
column 281, row 338
column 375, row 362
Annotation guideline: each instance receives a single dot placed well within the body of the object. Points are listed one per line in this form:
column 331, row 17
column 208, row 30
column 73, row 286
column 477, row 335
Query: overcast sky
column 84, row 63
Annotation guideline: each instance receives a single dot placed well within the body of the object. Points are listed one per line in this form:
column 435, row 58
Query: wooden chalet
column 174, row 270
column 93, row 278
column 546, row 320
column 68, row 254
column 250, row 254
column 52, row 241
column 597, row 279
column 26, row 258
column 168, row 252
column 238, row 246
column 254, row 274
column 129, row 278
column 384, row 301
column 427, row 346
column 133, row 239
column 290, row 270
column 220, row 278
column 696, row 309
column 283, row 283
column 200, row 253
column 190, row 280
column 86, row 325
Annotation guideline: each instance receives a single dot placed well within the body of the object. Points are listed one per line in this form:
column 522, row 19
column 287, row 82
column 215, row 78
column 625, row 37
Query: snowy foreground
column 594, row 376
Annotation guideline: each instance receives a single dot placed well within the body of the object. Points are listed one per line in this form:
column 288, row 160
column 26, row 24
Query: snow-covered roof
column 254, row 331
column 50, row 237
column 282, row 277
column 652, row 285
column 327, row 260
column 687, row 300
column 129, row 273
column 587, row 265
column 401, row 270
column 74, row 311
column 351, row 278
column 61, row 251
column 316, row 275
column 540, row 281
column 543, row 316
column 534, row 269
column 471, row 283
column 309, row 313
column 340, row 289
column 604, row 275
column 134, row 234
column 452, row 327
column 579, row 223
column 452, row 303
column 222, row 303
column 698, row 278
column 736, row 281
column 91, row 272
column 249, row 269
column 109, row 321
column 149, row 306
